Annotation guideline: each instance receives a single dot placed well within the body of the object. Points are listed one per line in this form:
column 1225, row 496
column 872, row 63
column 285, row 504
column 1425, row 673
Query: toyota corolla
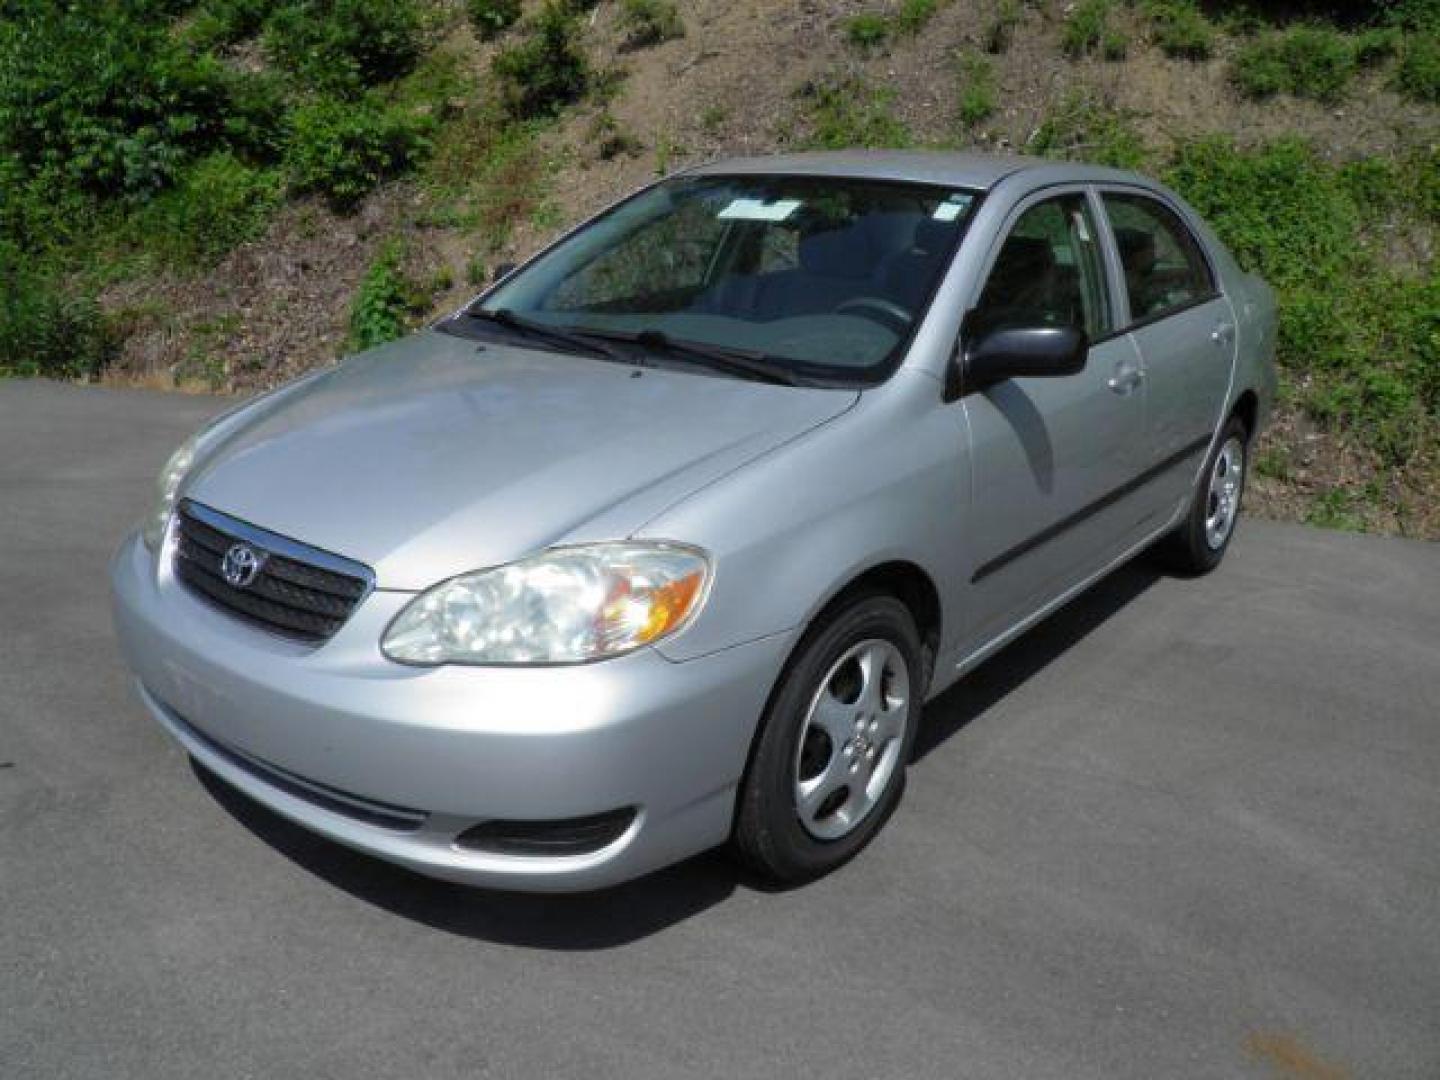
column 665, row 540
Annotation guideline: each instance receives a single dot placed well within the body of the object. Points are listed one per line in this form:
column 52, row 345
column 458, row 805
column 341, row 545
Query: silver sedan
column 665, row 540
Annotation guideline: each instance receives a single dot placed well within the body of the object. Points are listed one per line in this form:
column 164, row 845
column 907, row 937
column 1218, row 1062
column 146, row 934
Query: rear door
column 1184, row 330
column 1051, row 457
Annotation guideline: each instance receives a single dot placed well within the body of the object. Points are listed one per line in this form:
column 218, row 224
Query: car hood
column 436, row 455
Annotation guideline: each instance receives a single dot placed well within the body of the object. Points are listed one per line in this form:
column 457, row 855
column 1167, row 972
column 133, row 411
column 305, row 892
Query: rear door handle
column 1223, row 333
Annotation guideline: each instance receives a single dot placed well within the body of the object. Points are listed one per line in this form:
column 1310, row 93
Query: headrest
column 934, row 237
column 837, row 253
column 1026, row 254
column 1137, row 247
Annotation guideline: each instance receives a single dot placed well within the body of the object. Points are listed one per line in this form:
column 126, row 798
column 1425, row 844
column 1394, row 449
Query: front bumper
column 454, row 745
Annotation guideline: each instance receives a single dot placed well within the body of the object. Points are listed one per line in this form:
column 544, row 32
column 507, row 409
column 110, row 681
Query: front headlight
column 563, row 606
column 167, row 486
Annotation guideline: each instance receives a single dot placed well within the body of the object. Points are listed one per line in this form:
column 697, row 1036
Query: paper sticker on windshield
column 951, row 208
column 759, row 210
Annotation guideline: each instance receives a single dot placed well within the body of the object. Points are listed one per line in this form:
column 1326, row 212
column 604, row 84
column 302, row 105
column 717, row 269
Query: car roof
column 951, row 168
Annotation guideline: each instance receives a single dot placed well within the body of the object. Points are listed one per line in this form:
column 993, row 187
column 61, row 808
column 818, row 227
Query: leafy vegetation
column 844, row 112
column 1307, row 61
column 977, row 89
column 867, row 30
column 492, row 17
column 1090, row 29
column 218, row 203
column 1418, row 76
column 547, row 70
column 1365, row 337
column 1082, row 127
column 344, row 46
column 342, row 150
column 386, row 303
column 1180, row 29
column 870, row 30
column 46, row 330
column 649, row 22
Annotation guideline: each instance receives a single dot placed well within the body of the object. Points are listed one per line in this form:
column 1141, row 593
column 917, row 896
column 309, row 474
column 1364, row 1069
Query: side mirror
column 502, row 271
column 1027, row 352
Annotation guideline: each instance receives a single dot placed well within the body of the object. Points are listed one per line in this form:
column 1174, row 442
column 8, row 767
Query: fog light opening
column 547, row 839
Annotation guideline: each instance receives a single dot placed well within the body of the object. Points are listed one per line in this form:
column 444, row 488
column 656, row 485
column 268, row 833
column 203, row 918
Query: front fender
column 888, row 481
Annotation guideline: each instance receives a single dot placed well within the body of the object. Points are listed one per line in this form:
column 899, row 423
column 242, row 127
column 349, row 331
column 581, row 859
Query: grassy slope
column 750, row 77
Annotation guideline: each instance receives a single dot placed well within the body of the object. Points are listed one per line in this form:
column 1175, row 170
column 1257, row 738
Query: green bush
column 845, row 113
column 218, row 203
column 386, row 302
column 44, row 329
column 649, row 22
column 548, row 69
column 344, row 46
column 342, row 150
column 867, row 30
column 100, row 101
column 1376, row 45
column 1280, row 209
column 1114, row 44
column 1418, row 76
column 1308, row 61
column 1083, row 129
column 220, row 23
column 1084, row 29
column 1363, row 341
column 492, row 17
column 1181, row 29
column 914, row 14
column 977, row 89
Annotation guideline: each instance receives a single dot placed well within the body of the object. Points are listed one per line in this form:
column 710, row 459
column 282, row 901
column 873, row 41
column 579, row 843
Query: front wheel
column 829, row 762
column 1199, row 543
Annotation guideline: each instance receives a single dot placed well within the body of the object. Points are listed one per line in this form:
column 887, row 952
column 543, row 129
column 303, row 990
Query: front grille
column 298, row 592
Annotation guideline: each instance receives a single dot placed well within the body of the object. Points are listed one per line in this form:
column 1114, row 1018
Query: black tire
column 769, row 834
column 1190, row 549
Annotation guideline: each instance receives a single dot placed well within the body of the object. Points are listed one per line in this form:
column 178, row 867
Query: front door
column 1051, row 457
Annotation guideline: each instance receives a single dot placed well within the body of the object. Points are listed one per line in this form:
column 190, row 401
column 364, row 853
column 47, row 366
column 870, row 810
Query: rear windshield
column 829, row 275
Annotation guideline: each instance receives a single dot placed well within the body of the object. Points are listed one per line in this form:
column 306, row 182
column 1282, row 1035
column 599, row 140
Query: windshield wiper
column 556, row 335
column 742, row 363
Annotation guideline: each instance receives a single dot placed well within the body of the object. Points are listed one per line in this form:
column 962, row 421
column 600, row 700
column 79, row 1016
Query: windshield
column 825, row 276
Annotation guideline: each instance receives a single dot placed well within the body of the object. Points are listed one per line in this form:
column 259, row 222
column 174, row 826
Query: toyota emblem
column 240, row 565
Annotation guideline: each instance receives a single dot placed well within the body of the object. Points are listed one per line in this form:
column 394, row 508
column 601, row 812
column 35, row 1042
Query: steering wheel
column 876, row 308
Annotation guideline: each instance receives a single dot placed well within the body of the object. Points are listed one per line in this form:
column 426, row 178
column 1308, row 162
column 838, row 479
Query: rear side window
column 1164, row 266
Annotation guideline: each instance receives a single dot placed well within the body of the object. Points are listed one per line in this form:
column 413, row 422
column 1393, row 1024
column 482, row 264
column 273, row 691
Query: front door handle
column 1123, row 382
column 1223, row 334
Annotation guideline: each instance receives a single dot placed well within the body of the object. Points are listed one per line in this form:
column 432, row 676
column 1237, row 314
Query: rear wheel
column 1199, row 543
column 829, row 762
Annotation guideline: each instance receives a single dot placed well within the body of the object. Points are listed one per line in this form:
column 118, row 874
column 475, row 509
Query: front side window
column 1164, row 266
column 828, row 275
column 1049, row 272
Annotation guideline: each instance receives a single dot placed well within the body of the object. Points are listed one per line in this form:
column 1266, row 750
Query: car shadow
column 625, row 913
column 1003, row 672
column 570, row 922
